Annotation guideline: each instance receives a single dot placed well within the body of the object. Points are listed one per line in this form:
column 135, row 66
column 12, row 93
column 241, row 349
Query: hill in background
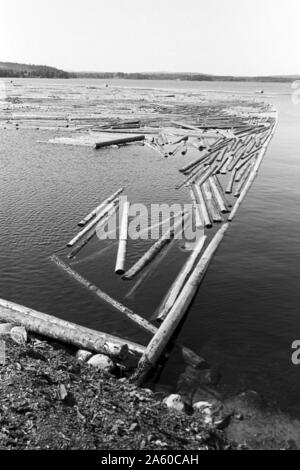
column 14, row 70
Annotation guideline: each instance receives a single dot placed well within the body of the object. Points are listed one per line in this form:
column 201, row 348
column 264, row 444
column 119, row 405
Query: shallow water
column 246, row 314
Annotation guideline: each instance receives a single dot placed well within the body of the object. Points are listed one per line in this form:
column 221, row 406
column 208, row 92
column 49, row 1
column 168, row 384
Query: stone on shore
column 174, row 402
column 102, row 362
column 19, row 335
column 83, row 356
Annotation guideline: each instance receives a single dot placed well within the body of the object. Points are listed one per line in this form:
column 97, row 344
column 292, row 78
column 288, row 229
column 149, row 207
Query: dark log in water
column 121, row 141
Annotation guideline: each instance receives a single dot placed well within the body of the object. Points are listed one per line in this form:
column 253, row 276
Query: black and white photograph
column 149, row 228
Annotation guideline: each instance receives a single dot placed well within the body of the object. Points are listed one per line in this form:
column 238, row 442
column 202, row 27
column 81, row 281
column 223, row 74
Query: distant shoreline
column 13, row 70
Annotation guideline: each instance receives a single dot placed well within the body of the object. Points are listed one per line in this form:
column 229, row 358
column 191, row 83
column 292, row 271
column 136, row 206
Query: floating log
column 218, row 196
column 229, row 188
column 121, row 256
column 164, row 334
column 93, row 222
column 252, row 176
column 204, row 211
column 210, row 203
column 154, row 250
column 243, row 180
column 222, row 192
column 101, row 206
column 86, row 240
column 136, row 319
column 178, row 285
column 66, row 332
column 197, row 209
column 224, row 168
column 121, row 141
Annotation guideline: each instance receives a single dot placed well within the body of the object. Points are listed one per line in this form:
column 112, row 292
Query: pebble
column 174, row 402
column 19, row 335
column 83, row 356
column 102, row 362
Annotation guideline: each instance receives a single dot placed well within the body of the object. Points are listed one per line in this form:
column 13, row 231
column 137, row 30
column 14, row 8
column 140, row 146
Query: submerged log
column 66, row 332
column 101, row 206
column 133, row 317
column 154, row 250
column 164, row 334
column 178, row 285
column 91, row 235
column 137, row 319
column 121, row 141
column 94, row 221
column 121, row 256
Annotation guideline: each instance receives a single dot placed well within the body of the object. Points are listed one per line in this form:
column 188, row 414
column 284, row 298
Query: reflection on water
column 246, row 315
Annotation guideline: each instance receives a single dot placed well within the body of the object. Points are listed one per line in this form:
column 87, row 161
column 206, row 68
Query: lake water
column 246, row 314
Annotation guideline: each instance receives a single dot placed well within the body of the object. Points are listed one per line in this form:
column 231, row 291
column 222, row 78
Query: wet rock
column 102, row 362
column 83, row 356
column 5, row 329
column 175, row 402
column 205, row 409
column 19, row 335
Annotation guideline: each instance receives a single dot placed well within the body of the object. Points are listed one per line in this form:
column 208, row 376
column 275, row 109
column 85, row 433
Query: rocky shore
column 51, row 398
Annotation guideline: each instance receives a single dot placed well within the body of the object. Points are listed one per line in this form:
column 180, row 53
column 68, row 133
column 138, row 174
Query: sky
column 223, row 37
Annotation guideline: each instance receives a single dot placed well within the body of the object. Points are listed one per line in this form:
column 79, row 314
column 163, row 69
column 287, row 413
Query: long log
column 137, row 319
column 101, row 206
column 243, row 181
column 93, row 232
column 67, row 332
column 253, row 174
column 93, row 222
column 231, row 182
column 204, row 211
column 197, row 209
column 218, row 196
column 154, row 250
column 159, row 342
column 178, row 285
column 121, row 256
column 114, row 304
column 121, row 141
column 212, row 209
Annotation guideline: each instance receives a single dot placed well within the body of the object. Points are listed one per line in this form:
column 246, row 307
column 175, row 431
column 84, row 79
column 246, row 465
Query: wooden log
column 117, row 306
column 201, row 180
column 243, row 180
column 197, row 210
column 93, row 222
column 253, row 174
column 212, row 209
column 222, row 192
column 224, row 168
column 229, row 188
column 121, row 256
column 154, row 250
column 178, row 285
column 204, row 211
column 164, row 334
column 67, row 332
column 93, row 232
column 121, row 141
column 243, row 163
column 101, row 206
column 218, row 197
